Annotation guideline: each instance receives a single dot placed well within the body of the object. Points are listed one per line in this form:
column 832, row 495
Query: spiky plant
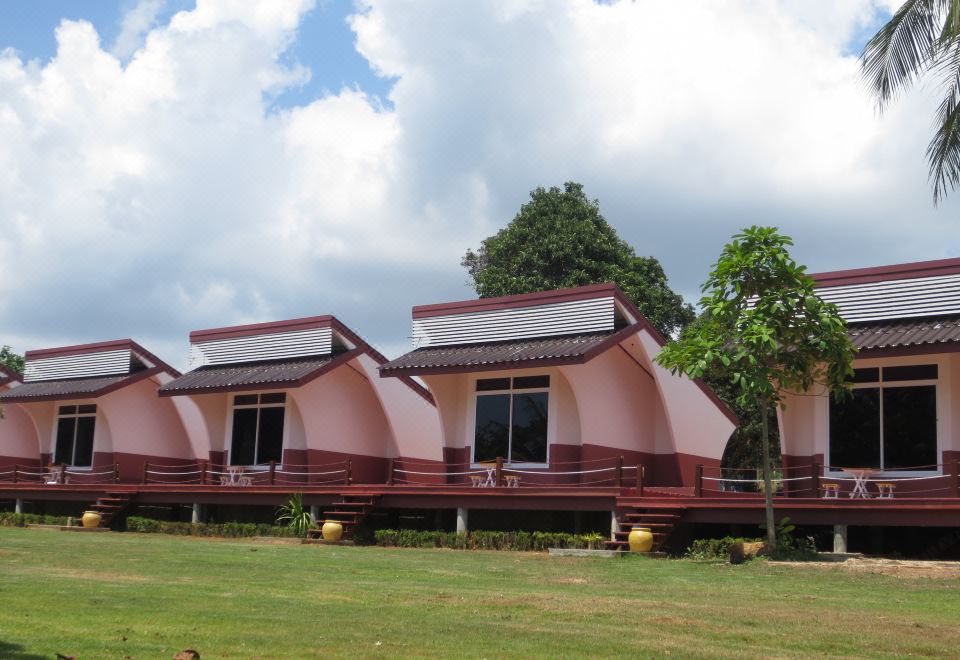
column 295, row 516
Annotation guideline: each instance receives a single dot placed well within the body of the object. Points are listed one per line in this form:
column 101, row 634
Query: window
column 257, row 428
column 75, row 426
column 889, row 422
column 511, row 419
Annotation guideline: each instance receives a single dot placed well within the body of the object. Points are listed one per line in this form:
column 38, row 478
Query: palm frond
column 943, row 152
column 905, row 47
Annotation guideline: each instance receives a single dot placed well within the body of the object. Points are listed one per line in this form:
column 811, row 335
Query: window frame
column 76, row 416
column 234, row 406
column 511, row 392
column 880, row 384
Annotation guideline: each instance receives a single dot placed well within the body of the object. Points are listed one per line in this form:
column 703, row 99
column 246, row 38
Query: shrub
column 715, row 548
column 227, row 529
column 485, row 540
column 8, row 519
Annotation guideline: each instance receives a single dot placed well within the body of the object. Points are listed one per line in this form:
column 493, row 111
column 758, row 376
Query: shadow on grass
column 16, row 652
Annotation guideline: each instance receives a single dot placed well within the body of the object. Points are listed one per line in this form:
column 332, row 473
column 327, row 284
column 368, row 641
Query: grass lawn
column 149, row 596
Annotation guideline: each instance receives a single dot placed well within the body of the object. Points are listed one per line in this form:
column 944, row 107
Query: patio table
column 235, row 477
column 860, row 476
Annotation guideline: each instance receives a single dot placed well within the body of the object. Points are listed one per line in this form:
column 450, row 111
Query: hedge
column 8, row 519
column 485, row 540
column 715, row 548
column 227, row 529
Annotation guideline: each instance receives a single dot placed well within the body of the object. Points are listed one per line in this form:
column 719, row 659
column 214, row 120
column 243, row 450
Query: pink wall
column 18, row 437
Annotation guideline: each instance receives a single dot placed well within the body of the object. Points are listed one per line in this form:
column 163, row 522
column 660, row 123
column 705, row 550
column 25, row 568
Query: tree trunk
column 767, row 481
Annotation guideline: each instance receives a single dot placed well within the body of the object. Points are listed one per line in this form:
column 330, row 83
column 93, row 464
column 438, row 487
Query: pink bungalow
column 92, row 408
column 899, row 432
column 298, row 401
column 555, row 387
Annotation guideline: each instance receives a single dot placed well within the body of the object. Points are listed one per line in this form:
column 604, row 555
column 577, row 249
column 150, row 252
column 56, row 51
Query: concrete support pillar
column 315, row 511
column 196, row 515
column 462, row 516
column 614, row 525
column 840, row 538
column 18, row 505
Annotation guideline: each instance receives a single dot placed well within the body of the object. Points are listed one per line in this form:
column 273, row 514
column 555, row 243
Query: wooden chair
column 886, row 489
column 831, row 491
column 513, row 480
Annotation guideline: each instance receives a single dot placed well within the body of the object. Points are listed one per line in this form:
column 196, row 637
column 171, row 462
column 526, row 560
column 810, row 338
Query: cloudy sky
column 168, row 165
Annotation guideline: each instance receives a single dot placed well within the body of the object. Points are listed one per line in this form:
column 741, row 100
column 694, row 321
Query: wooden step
column 652, row 516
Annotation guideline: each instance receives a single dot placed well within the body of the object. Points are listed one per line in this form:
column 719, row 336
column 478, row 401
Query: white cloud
column 155, row 188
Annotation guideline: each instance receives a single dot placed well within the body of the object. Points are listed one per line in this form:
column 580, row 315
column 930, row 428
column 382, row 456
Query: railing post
column 620, row 472
column 640, row 473
column 390, row 472
column 15, row 468
column 698, row 481
column 956, row 478
column 815, row 479
column 116, row 473
column 349, row 470
column 203, row 473
column 146, row 466
column 273, row 472
column 499, row 470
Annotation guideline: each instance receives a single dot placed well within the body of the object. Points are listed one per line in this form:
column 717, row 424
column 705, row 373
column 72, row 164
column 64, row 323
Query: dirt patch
column 900, row 568
column 570, row 580
column 86, row 574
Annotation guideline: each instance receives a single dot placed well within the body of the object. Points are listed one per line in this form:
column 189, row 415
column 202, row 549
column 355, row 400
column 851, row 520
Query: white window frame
column 474, row 464
column 228, row 445
column 77, row 416
column 881, row 385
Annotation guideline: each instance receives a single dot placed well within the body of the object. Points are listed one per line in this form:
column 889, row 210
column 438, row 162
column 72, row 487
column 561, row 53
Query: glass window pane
column 245, row 400
column 87, row 408
column 65, row 431
column 531, row 382
column 487, row 384
column 83, row 452
column 868, row 375
column 244, row 436
column 855, row 430
column 910, row 372
column 529, row 428
column 67, row 410
column 276, row 397
column 909, row 426
column 492, row 433
column 270, row 445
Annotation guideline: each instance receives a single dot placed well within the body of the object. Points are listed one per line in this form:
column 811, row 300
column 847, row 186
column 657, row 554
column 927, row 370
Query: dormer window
column 257, row 436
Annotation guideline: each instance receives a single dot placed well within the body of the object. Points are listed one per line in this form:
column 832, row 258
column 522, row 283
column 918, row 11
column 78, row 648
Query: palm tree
column 923, row 37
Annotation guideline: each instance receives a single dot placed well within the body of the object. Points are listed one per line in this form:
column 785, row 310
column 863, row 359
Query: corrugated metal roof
column 504, row 353
column 283, row 373
column 61, row 389
column 910, row 332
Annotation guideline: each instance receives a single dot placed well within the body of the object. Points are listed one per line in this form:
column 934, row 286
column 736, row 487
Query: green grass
column 149, row 596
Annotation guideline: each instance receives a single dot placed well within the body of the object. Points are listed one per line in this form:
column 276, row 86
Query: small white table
column 859, row 482
column 235, row 477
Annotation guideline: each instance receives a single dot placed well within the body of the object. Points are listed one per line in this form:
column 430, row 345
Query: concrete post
column 315, row 511
column 462, row 516
column 18, row 506
column 195, row 514
column 840, row 538
column 614, row 525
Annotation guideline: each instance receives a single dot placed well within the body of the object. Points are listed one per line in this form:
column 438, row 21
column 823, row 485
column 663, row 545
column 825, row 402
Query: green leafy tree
column 922, row 39
column 558, row 240
column 10, row 360
column 766, row 331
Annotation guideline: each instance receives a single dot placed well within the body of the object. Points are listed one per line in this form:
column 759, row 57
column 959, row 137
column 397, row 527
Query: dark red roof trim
column 906, row 271
column 520, row 300
column 59, row 390
column 254, row 329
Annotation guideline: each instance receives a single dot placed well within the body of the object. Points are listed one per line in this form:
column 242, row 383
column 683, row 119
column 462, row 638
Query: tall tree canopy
column 765, row 329
column 559, row 239
column 923, row 38
column 11, row 360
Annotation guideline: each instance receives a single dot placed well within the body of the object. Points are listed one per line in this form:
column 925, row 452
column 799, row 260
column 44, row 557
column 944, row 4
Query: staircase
column 111, row 505
column 659, row 521
column 349, row 511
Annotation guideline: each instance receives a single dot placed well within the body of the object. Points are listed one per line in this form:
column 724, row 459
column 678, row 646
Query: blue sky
column 246, row 164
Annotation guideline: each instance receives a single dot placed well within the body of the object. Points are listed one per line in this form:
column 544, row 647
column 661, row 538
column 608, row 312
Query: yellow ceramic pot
column 91, row 519
column 332, row 530
column 640, row 539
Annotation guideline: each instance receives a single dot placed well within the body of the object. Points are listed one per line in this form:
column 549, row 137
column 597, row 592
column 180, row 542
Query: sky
column 170, row 165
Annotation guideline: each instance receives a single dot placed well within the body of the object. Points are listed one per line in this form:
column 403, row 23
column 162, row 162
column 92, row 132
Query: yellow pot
column 91, row 519
column 332, row 530
column 640, row 539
